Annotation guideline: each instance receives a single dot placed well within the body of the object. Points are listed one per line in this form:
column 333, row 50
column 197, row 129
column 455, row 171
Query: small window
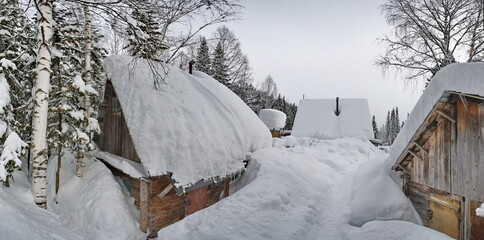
column 116, row 105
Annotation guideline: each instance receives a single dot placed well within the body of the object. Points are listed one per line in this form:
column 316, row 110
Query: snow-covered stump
column 41, row 89
column 275, row 120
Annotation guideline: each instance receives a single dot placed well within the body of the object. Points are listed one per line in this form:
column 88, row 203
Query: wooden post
column 143, row 205
column 190, row 66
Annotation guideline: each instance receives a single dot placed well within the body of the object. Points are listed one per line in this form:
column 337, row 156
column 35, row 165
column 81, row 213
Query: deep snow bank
column 287, row 198
column 95, row 205
column 20, row 218
column 375, row 196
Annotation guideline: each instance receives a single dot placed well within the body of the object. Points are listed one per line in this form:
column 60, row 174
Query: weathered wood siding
column 468, row 165
column 166, row 210
column 419, row 195
column 115, row 137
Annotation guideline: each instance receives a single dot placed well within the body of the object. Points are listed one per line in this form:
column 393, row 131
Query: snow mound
column 459, row 77
column 193, row 127
column 273, row 119
column 396, row 230
column 22, row 219
column 316, row 118
column 289, row 197
column 93, row 206
column 375, row 196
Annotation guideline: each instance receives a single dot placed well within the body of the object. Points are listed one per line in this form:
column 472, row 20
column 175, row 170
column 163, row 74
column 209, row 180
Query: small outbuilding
column 177, row 149
column 441, row 152
column 274, row 119
column 333, row 118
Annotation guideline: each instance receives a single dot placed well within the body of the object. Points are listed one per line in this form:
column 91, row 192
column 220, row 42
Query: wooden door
column 444, row 215
column 476, row 222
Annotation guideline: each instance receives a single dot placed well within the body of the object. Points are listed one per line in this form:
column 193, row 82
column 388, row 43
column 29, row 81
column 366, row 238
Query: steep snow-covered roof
column 465, row 78
column 193, row 127
column 317, row 118
column 272, row 118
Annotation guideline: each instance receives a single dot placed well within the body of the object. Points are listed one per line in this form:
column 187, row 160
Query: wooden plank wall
column 167, row 210
column 115, row 133
column 468, row 167
column 419, row 195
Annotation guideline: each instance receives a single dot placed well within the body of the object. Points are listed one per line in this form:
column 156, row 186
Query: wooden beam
column 143, row 205
column 464, row 101
column 445, row 115
column 402, row 167
column 165, row 191
column 421, row 147
column 415, row 155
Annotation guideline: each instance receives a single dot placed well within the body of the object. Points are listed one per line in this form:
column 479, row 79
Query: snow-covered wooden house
column 333, row 118
column 178, row 148
column 441, row 151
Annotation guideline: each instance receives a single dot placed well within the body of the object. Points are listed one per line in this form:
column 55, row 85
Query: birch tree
column 41, row 90
column 430, row 34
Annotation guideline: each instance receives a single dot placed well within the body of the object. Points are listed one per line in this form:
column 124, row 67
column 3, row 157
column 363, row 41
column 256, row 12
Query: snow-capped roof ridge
column 318, row 118
column 465, row 78
column 194, row 127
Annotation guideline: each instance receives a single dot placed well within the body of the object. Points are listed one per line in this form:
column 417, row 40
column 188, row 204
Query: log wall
column 115, row 137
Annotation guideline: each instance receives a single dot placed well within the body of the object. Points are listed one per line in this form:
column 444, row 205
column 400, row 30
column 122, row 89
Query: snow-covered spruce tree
column 17, row 46
column 41, row 90
column 203, row 58
column 11, row 145
column 392, row 126
column 144, row 36
column 388, row 130
column 397, row 123
column 219, row 65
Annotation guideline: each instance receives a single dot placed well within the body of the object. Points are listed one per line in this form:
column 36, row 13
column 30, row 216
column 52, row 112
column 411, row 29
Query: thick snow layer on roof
column 133, row 169
column 460, row 77
column 273, row 119
column 193, row 127
column 316, row 118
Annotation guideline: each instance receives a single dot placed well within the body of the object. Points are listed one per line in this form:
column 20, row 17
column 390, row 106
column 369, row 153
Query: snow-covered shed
column 274, row 119
column 441, row 151
column 176, row 148
column 333, row 118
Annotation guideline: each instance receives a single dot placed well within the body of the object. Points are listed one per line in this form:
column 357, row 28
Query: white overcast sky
column 322, row 49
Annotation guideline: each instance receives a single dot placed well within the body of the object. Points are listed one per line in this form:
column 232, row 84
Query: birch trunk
column 87, row 80
column 41, row 88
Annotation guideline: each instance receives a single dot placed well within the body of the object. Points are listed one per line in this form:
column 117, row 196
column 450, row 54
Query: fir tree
column 388, row 129
column 203, row 59
column 144, row 33
column 16, row 71
column 375, row 127
column 219, row 66
column 392, row 127
column 397, row 122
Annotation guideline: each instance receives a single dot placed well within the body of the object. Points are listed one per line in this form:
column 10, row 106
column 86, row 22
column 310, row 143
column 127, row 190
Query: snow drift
column 193, row 127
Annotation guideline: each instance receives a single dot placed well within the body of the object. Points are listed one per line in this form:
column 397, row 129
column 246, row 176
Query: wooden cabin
column 441, row 152
column 143, row 128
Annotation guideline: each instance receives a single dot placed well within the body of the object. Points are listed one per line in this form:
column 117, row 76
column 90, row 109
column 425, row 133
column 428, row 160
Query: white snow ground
column 310, row 192
column 305, row 192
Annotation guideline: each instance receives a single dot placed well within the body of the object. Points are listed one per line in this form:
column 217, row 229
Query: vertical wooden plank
column 480, row 154
column 144, row 205
column 453, row 144
column 433, row 150
column 473, row 131
column 459, row 186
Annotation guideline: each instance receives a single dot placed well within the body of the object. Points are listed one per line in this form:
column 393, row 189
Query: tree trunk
column 39, row 118
column 87, row 80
